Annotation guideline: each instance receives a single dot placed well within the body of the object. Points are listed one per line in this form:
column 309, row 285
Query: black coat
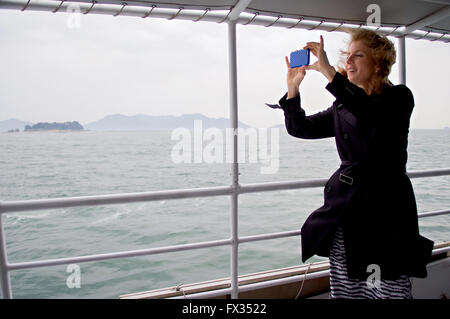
column 370, row 194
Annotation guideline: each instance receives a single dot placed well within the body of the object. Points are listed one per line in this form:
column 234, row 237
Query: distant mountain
column 121, row 122
column 12, row 124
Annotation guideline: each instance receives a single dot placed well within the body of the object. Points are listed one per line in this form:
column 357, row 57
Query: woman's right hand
column 294, row 77
column 322, row 64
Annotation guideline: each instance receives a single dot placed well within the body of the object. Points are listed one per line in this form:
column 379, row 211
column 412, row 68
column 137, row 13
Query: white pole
column 5, row 280
column 235, row 167
column 401, row 60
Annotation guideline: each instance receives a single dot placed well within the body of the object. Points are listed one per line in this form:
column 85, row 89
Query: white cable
column 303, row 282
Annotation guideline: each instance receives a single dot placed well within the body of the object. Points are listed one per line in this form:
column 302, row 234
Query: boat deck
column 286, row 283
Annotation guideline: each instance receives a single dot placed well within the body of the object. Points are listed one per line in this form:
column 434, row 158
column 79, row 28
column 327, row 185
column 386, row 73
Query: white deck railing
column 159, row 11
column 233, row 241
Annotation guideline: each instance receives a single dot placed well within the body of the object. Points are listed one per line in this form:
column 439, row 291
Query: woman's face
column 359, row 64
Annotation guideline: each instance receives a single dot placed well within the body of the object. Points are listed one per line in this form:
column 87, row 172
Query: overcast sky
column 50, row 72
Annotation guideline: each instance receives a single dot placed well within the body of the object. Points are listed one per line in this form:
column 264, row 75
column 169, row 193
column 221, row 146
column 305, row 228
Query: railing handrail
column 260, row 19
column 27, row 205
column 168, row 249
column 112, row 199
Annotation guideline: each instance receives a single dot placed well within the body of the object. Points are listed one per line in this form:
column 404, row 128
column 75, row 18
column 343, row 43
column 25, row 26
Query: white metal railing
column 163, row 11
column 234, row 241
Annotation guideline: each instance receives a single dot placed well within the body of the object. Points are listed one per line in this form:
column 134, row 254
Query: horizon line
column 217, row 118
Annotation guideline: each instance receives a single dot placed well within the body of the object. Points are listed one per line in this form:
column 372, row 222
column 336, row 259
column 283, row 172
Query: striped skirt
column 343, row 287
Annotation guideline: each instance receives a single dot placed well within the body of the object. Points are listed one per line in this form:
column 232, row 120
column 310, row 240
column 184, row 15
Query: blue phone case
column 299, row 58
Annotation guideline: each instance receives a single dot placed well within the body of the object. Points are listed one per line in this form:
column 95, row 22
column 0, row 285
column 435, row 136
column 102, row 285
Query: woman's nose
column 349, row 58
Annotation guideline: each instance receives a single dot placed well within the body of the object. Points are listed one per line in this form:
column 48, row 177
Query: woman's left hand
column 321, row 65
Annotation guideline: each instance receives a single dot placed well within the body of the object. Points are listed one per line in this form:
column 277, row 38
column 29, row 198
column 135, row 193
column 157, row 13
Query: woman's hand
column 294, row 78
column 321, row 65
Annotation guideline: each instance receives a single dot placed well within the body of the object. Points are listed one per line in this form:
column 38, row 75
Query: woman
column 368, row 224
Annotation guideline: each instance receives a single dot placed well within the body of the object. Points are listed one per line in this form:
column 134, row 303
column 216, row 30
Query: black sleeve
column 319, row 125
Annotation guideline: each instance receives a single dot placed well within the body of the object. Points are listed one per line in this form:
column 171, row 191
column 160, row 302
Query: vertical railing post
column 401, row 60
column 238, row 8
column 5, row 281
column 235, row 168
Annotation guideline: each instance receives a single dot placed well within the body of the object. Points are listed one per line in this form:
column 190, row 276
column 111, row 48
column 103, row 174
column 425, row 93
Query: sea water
column 53, row 164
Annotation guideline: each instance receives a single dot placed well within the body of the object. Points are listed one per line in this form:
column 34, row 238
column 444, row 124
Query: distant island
column 44, row 126
column 120, row 122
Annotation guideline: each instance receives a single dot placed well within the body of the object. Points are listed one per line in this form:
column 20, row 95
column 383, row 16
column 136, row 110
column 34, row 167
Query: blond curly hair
column 382, row 51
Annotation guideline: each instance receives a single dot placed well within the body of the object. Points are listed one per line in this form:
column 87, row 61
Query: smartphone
column 299, row 58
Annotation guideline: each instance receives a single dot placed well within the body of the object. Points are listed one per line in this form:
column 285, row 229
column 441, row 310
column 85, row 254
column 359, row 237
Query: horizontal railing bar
column 429, row 173
column 293, row 233
column 125, row 254
column 110, row 199
column 253, row 238
column 212, row 16
column 439, row 251
column 434, row 213
column 145, row 252
column 286, row 185
column 167, row 249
